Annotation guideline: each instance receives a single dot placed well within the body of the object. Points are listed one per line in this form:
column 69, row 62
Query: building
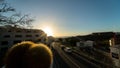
column 115, row 54
column 87, row 43
column 12, row 35
column 115, row 50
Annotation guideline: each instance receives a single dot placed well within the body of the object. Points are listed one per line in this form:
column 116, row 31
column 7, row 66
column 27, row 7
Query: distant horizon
column 86, row 34
column 76, row 34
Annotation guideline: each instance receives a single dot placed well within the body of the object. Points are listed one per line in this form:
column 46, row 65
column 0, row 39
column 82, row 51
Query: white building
column 80, row 44
column 11, row 35
column 88, row 43
column 85, row 43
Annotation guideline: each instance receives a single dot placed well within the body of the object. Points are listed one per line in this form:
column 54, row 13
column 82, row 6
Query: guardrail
column 101, row 64
column 68, row 60
column 86, row 61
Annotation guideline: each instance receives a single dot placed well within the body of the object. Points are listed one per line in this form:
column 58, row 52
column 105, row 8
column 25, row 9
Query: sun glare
column 48, row 31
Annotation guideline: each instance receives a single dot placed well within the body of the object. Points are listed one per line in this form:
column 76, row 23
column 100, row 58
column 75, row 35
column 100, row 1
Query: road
column 66, row 60
column 58, row 62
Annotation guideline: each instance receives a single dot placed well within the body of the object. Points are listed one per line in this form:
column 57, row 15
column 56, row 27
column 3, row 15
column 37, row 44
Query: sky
column 72, row 17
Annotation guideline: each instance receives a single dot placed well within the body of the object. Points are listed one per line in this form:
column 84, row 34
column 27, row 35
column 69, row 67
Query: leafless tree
column 16, row 19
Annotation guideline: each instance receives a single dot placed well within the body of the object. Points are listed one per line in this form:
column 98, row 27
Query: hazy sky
column 72, row 17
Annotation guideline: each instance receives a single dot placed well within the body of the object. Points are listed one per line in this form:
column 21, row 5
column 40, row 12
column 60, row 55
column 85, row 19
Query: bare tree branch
column 16, row 20
column 6, row 8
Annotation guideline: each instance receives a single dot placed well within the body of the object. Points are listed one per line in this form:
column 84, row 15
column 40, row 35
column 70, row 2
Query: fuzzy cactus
column 28, row 55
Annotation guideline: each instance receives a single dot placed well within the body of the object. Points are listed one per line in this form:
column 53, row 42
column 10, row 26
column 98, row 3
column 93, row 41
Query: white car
column 67, row 49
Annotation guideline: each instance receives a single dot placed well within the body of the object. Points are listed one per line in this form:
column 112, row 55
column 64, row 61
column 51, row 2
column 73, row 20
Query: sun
column 48, row 31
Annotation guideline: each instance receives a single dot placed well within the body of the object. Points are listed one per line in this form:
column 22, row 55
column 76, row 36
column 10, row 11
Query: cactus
column 28, row 55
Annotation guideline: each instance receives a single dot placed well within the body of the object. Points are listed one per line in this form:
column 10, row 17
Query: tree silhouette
column 15, row 19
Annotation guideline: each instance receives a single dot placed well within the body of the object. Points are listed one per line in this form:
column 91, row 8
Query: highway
column 69, row 60
column 58, row 62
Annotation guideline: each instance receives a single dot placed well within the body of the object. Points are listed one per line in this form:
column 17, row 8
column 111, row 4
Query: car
column 68, row 50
